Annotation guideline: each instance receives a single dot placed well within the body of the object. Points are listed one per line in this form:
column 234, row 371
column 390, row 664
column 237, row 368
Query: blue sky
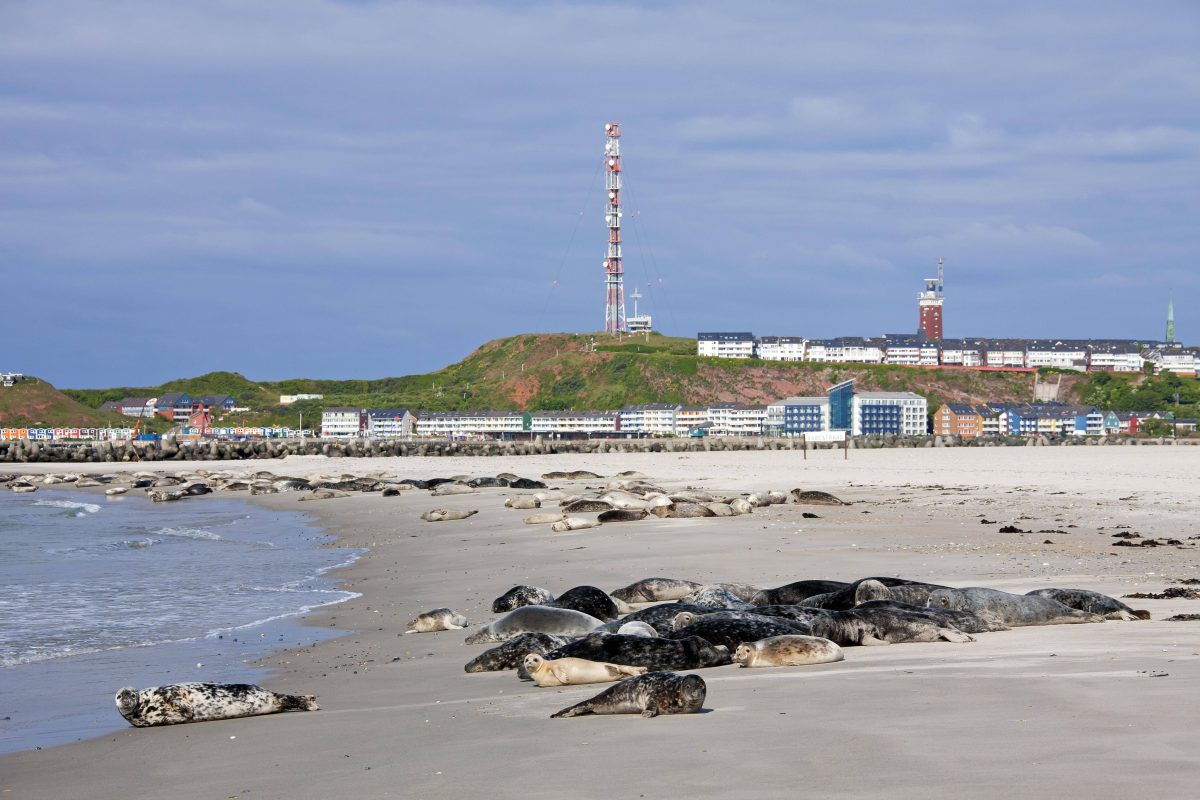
column 361, row 189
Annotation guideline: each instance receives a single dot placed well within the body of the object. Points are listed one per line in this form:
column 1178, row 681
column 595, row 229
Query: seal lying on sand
column 660, row 617
column 866, row 589
column 575, row 671
column 729, row 633
column 442, row 514
column 200, row 702
column 654, row 590
column 589, row 600
column 1016, row 610
column 877, row 626
column 965, row 621
column 686, row 652
column 543, row 619
column 649, row 695
column 511, row 654
column 637, row 628
column 716, row 597
column 440, row 619
column 519, row 596
column 795, row 592
column 787, row 651
column 1092, row 603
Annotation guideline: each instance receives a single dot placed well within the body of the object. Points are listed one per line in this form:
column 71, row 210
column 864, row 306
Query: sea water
column 99, row 593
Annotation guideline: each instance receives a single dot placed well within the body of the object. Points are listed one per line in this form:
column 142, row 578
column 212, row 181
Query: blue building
column 794, row 416
column 841, row 406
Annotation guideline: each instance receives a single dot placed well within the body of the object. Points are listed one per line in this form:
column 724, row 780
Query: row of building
column 970, row 421
column 173, row 406
column 1084, row 355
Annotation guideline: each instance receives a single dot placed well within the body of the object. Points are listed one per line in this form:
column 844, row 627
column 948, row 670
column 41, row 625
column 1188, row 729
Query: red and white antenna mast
column 614, row 282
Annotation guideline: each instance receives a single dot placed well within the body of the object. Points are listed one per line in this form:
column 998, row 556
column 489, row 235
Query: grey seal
column 637, row 628
column 659, row 617
column 716, row 597
column 1092, row 603
column 1016, row 610
column 544, row 619
column 443, row 514
column 729, row 633
column 965, row 621
column 878, row 626
column 519, row 596
column 787, row 651
column 200, row 702
column 511, row 654
column 654, row 590
column 795, row 592
column 440, row 619
column 876, row 588
column 684, row 652
column 621, row 515
column 813, row 498
column 649, row 695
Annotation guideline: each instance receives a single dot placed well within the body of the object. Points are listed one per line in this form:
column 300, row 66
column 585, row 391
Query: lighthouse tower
column 929, row 306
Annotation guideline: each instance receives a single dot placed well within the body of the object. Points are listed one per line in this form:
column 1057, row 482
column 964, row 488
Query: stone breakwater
column 170, row 450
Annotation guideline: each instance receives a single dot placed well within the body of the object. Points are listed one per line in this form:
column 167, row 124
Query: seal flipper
column 577, row 710
column 650, row 713
column 870, row 640
column 954, row 635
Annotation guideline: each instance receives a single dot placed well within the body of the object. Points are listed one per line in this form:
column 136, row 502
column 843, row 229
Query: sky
column 306, row 188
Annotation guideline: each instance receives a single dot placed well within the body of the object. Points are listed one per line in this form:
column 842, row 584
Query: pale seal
column 543, row 619
column 685, row 652
column 574, row 671
column 519, row 596
column 787, row 651
column 1017, row 610
column 439, row 619
column 201, row 702
column 542, row 519
column 511, row 654
column 654, row 590
column 649, row 695
column 523, row 502
column 443, row 514
column 637, row 628
column 1092, row 603
column 574, row 524
column 660, row 617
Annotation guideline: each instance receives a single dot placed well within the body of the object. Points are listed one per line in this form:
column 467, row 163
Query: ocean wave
column 105, row 547
column 83, row 508
column 190, row 533
column 346, row 595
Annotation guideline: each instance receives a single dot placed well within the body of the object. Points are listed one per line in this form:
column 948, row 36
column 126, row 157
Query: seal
column 787, row 651
column 716, row 597
column 574, row 671
column 637, row 628
column 488, row 482
column 200, row 702
column 621, row 515
column 589, row 600
column 511, row 654
column 440, row 619
column 542, row 519
column 880, row 626
column 729, row 633
column 586, row 505
column 519, row 596
column 796, row 592
column 1017, row 610
column 649, row 695
column 660, row 617
column 685, row 652
column 526, row 483
column 812, row 498
column 524, row 501
column 1092, row 603
column 965, row 621
column 574, row 524
column 877, row 588
column 543, row 619
column 443, row 514
column 654, row 590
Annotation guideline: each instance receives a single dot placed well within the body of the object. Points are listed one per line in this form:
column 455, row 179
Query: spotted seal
column 1017, row 610
column 879, row 626
column 876, row 588
column 589, row 600
column 1092, row 603
column 716, row 597
column 729, row 633
column 511, row 654
column 519, row 596
column 200, row 702
column 684, row 652
column 574, row 671
column 545, row 619
column 787, row 651
column 965, row 621
column 795, row 592
column 654, row 590
column 649, row 695
column 659, row 617
column 440, row 619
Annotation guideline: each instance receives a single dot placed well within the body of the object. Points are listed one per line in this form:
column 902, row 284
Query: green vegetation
column 1140, row 392
column 33, row 403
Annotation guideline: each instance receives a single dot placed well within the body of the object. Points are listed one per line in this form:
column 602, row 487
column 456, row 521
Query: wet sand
column 1094, row 711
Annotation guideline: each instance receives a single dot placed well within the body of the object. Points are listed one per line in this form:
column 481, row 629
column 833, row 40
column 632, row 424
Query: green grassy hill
column 36, row 404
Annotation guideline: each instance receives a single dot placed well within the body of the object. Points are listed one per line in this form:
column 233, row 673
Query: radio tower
column 614, row 282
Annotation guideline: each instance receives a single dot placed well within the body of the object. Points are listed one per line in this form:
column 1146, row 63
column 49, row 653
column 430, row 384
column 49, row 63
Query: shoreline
column 406, row 721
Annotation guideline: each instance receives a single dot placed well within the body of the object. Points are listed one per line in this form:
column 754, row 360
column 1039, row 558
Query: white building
column 592, row 423
column 725, row 345
column 781, row 348
column 288, row 399
column 846, row 350
column 389, row 423
column 650, row 419
column 1058, row 355
column 1177, row 360
column 463, row 424
column 341, row 423
column 1115, row 360
column 689, row 418
column 889, row 412
column 736, row 419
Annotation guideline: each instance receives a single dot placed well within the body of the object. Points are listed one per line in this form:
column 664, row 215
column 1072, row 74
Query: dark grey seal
column 200, row 702
column 877, row 626
column 519, row 596
column 1016, row 610
column 526, row 483
column 965, row 621
column 654, row 590
column 589, row 600
column 729, row 633
column 512, row 653
column 1092, row 603
column 812, row 498
column 487, row 482
column 684, row 652
column 659, row 617
column 873, row 588
column 649, row 695
column 795, row 592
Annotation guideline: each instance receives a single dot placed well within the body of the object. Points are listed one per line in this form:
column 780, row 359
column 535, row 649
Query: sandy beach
column 1098, row 711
